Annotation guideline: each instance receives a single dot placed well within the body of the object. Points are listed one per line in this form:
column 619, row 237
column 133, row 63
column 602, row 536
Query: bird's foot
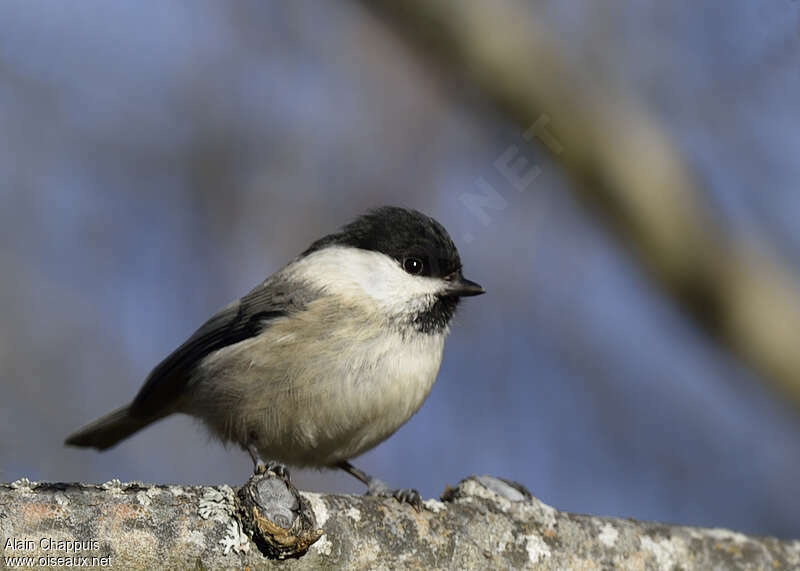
column 405, row 495
column 262, row 467
column 276, row 468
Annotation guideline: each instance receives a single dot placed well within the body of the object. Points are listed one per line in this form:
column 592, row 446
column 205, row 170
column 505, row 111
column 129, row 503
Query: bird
column 323, row 360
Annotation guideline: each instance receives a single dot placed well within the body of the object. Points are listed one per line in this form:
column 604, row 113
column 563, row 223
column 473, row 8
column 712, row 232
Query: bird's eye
column 413, row 266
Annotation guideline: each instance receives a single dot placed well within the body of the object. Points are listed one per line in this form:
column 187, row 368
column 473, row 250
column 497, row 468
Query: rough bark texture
column 482, row 523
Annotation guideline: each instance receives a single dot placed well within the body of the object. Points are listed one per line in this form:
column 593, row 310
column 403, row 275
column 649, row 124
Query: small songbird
column 322, row 361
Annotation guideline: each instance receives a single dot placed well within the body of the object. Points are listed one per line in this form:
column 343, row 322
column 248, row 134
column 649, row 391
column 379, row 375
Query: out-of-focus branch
column 482, row 523
column 622, row 163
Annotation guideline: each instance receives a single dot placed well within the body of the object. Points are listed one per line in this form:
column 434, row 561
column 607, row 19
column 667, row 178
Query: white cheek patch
column 352, row 273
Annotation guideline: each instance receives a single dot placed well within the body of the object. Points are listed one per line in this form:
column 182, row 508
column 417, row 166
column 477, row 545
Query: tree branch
column 482, row 523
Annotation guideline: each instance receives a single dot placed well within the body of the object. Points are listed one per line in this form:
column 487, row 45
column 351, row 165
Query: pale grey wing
column 241, row 320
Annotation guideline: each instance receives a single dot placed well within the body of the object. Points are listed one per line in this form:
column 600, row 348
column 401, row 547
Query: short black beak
column 462, row 287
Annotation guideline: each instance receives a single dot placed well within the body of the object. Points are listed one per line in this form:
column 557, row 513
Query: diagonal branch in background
column 623, row 165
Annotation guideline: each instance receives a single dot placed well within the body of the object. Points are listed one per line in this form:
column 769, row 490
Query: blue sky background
column 159, row 159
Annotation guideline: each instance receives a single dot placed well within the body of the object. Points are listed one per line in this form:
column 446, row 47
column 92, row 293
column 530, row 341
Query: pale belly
column 316, row 400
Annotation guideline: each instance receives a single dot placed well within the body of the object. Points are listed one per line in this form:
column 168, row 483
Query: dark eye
column 413, row 266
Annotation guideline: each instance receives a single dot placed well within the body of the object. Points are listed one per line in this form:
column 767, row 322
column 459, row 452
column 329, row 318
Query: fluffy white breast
column 317, row 387
column 334, row 379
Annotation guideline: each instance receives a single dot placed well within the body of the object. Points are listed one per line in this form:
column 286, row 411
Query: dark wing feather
column 239, row 321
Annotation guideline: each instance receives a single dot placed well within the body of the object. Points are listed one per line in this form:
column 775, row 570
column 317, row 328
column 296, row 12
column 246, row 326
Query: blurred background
column 160, row 159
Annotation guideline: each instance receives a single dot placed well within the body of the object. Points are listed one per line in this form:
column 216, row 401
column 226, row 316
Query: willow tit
column 322, row 361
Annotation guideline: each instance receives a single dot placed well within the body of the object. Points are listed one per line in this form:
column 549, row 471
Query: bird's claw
column 280, row 470
column 404, row 495
column 408, row 496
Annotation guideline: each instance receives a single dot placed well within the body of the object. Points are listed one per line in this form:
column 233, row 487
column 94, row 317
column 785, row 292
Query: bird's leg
column 259, row 467
column 376, row 487
column 262, row 467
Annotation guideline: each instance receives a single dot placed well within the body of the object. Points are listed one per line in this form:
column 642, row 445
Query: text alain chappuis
column 47, row 551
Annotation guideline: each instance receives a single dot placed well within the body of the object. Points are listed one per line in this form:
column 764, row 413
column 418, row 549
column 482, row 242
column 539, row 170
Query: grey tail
column 107, row 430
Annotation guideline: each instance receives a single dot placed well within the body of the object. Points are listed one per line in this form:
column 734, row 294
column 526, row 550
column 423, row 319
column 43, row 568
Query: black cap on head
column 421, row 246
column 402, row 234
